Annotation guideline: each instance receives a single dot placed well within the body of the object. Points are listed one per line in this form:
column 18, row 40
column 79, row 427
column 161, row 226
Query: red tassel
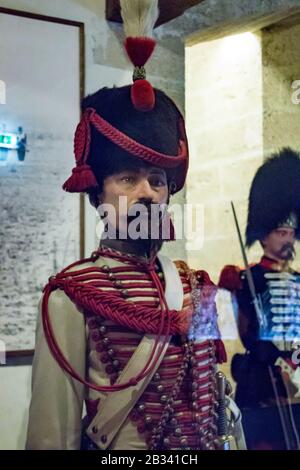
column 230, row 278
column 82, row 179
column 142, row 95
column 80, row 138
column 221, row 355
column 139, row 49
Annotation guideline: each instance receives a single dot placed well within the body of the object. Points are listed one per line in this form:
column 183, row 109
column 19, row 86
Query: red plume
column 142, row 95
column 139, row 49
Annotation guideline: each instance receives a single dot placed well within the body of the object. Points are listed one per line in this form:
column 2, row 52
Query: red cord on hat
column 82, row 178
column 139, row 50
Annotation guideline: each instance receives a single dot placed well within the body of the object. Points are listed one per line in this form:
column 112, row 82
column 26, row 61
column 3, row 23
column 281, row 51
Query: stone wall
column 213, row 19
column 224, row 123
column 281, row 68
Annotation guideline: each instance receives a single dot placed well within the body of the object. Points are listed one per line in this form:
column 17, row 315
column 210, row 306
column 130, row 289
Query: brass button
column 118, row 284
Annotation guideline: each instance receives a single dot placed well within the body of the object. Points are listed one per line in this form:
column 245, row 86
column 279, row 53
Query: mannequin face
column 132, row 194
column 279, row 244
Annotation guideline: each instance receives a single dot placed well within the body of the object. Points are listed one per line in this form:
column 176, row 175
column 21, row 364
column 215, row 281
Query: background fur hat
column 274, row 194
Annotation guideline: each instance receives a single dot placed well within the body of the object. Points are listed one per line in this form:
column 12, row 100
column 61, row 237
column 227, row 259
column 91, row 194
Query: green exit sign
column 5, row 139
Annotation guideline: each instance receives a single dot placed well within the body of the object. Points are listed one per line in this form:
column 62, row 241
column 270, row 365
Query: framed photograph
column 41, row 230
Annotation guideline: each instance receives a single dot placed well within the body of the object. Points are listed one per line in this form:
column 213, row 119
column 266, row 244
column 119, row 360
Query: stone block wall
column 224, row 123
column 281, row 68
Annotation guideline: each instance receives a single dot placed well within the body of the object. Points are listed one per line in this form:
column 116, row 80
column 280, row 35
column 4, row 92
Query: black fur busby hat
column 159, row 129
column 131, row 125
column 274, row 196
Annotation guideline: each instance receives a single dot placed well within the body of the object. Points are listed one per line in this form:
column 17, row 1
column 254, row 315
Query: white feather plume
column 139, row 17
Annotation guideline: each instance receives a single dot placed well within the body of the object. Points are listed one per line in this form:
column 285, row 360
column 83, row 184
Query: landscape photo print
column 41, row 225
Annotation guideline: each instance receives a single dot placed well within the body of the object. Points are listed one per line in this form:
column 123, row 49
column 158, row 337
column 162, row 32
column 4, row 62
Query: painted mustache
column 288, row 248
column 145, row 211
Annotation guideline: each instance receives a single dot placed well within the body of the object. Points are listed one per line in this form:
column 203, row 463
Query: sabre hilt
column 224, row 439
column 222, row 417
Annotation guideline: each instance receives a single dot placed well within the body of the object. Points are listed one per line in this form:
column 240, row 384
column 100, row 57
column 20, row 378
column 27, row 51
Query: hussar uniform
column 109, row 310
column 124, row 333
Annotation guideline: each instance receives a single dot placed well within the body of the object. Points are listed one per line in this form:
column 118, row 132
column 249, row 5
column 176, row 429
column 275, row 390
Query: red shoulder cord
column 58, row 281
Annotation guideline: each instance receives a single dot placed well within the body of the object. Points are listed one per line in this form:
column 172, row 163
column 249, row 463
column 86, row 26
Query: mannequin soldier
column 120, row 329
column 270, row 331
